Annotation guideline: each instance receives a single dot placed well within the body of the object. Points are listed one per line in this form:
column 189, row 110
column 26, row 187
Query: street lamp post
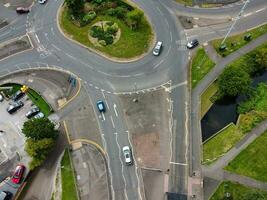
column 237, row 18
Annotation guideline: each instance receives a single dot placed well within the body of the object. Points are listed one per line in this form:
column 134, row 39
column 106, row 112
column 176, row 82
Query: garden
column 239, row 80
column 112, row 27
column 236, row 191
column 235, row 42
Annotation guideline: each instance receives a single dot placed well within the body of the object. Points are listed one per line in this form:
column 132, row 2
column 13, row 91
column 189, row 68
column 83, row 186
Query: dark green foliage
column 38, row 129
column 38, row 150
column 41, row 136
column 75, row 7
column 233, row 81
column 107, row 35
column 118, row 12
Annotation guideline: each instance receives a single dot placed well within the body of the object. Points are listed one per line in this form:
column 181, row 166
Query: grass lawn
column 205, row 98
column 131, row 43
column 201, row 65
column 185, row 2
column 238, row 40
column 68, row 180
column 37, row 99
column 238, row 192
column 217, row 146
column 252, row 161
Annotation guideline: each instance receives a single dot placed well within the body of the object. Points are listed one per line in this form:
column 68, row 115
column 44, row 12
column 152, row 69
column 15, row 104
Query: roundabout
column 105, row 76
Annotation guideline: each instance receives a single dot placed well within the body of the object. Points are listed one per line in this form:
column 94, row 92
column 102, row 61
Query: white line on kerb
column 115, row 106
column 175, row 163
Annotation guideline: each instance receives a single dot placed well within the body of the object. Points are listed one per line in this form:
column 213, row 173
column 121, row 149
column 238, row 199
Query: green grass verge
column 37, row 99
column 67, row 177
column 186, row 2
column 238, row 192
column 252, row 161
column 131, row 43
column 221, row 143
column 206, row 103
column 201, row 65
column 238, row 40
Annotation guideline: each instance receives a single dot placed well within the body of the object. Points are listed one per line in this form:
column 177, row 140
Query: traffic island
column 136, row 34
column 15, row 46
column 148, row 118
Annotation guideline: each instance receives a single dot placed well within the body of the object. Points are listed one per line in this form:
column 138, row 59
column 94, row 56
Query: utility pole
column 237, row 18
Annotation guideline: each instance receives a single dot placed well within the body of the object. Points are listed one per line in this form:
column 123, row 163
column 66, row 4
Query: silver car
column 157, row 48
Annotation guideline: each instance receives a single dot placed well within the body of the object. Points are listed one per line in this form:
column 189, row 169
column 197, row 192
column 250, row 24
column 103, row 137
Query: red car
column 18, row 174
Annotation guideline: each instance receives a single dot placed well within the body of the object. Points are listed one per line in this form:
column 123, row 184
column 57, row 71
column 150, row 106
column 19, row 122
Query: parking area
column 12, row 143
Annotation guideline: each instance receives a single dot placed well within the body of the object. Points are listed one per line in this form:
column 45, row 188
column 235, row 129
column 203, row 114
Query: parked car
column 101, row 106
column 21, row 10
column 18, row 174
column 18, row 95
column 39, row 115
column 42, row 1
column 192, row 44
column 14, row 107
column 157, row 48
column 5, row 195
column 1, row 98
column 32, row 112
column 127, row 155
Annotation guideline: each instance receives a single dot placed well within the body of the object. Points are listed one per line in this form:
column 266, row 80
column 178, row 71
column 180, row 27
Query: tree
column 38, row 129
column 234, row 81
column 261, row 57
column 75, row 7
column 38, row 150
column 134, row 18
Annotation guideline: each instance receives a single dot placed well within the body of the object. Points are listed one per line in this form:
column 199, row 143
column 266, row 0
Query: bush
column 102, row 42
column 118, row 12
column 112, row 30
column 90, row 16
column 251, row 119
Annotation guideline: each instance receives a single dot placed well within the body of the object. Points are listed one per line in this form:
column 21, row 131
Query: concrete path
column 212, row 53
column 196, row 135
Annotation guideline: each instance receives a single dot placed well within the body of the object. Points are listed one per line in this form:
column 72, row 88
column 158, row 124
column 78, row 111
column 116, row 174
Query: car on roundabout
column 157, row 48
column 22, row 10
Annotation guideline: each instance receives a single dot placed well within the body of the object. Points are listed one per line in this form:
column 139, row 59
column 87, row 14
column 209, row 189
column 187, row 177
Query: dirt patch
column 190, row 22
column 147, row 120
column 14, row 46
column 153, row 184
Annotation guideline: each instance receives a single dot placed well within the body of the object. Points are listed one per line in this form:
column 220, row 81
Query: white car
column 1, row 98
column 127, row 155
column 42, row 1
column 39, row 115
column 157, row 48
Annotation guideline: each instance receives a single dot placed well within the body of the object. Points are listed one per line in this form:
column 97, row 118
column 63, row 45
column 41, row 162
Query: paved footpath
column 196, row 138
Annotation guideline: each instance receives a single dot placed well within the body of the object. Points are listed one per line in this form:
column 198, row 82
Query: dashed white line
column 112, row 122
column 176, row 163
column 115, row 110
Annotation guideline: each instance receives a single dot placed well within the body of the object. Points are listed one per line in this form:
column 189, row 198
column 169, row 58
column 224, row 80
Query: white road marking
column 57, row 48
column 114, row 107
column 260, row 10
column 37, row 38
column 158, row 64
column 176, row 163
column 168, row 89
column 103, row 116
column 112, row 122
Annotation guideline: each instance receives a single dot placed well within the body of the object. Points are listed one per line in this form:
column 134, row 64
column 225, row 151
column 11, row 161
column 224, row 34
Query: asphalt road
column 104, row 78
